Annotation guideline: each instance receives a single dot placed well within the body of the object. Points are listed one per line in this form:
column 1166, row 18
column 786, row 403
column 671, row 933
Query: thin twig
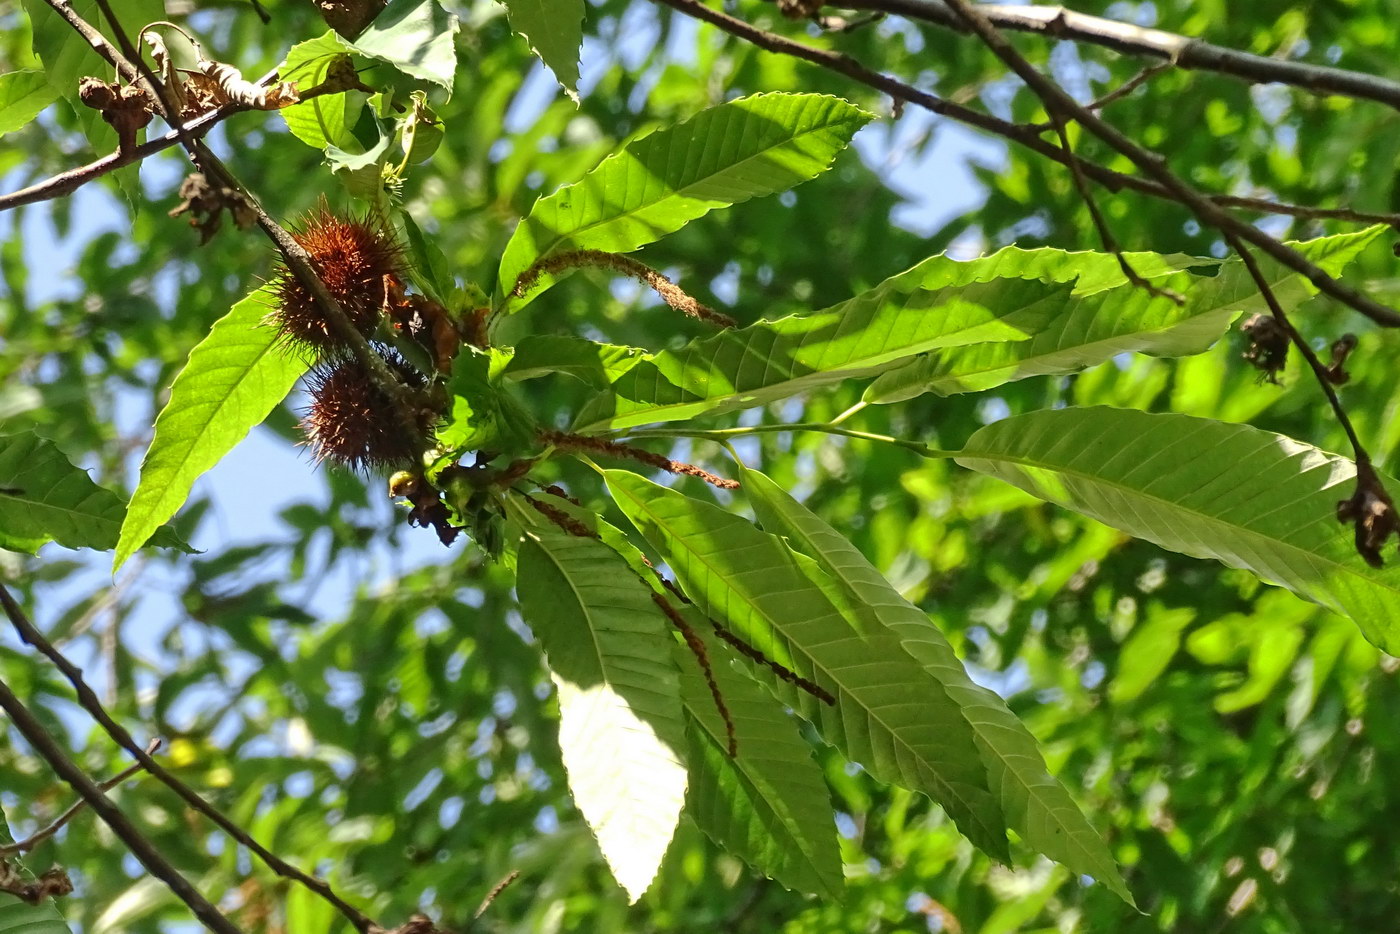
column 1110, row 242
column 71, row 180
column 1306, row 212
column 49, row 750
column 1180, row 51
column 1155, row 166
column 44, row 833
column 1118, row 93
column 30, row 634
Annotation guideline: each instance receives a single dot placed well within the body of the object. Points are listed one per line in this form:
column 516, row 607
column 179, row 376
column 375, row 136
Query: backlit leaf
column 415, row 36
column 23, row 94
column 1113, row 317
column 621, row 730
column 1036, row 806
column 768, row 805
column 744, row 367
column 554, row 30
column 324, row 120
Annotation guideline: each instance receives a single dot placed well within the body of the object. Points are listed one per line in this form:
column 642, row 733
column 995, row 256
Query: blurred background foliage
column 370, row 705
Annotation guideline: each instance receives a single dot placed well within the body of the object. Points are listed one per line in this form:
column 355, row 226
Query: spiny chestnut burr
column 354, row 422
column 360, row 262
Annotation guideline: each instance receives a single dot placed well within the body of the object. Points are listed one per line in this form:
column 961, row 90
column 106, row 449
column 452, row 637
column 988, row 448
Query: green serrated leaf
column 233, row 379
column 621, row 730
column 418, row 37
column 597, row 364
column 23, row 94
column 743, row 367
column 769, row 805
column 1113, row 316
column 1251, row 499
column 482, row 413
column 554, row 31
column 725, row 155
column 325, row 120
column 1036, row 806
column 66, row 55
column 45, row 498
column 754, row 583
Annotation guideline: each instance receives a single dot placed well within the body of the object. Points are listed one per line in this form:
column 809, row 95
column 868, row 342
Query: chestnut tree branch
column 129, row 63
column 1210, row 210
column 1195, row 54
column 1152, row 164
column 143, row 849
column 89, row 701
column 44, row 833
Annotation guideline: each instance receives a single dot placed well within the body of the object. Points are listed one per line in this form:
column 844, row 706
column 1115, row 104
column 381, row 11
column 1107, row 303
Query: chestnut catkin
column 360, row 262
column 353, row 422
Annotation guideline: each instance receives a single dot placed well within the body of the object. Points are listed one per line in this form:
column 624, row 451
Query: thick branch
column 48, row 749
column 31, row 635
column 1184, row 52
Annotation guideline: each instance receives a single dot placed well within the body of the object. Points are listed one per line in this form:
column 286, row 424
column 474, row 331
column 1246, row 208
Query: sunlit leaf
column 324, row 120
column 620, row 724
column 233, row 379
column 744, row 367
column 1113, row 317
column 597, row 364
column 741, row 149
column 415, row 36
